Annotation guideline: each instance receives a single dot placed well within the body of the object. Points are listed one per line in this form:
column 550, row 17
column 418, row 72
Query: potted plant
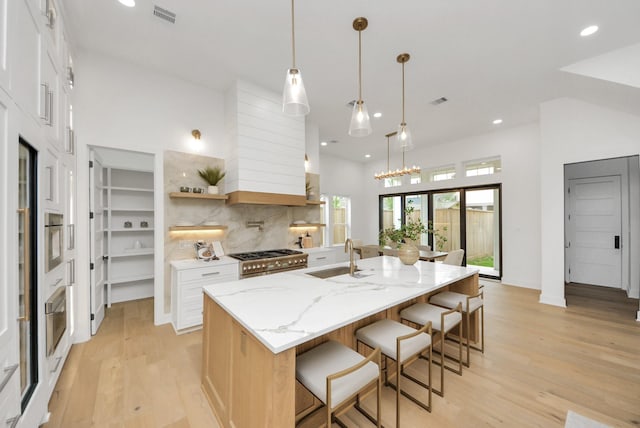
column 406, row 237
column 212, row 175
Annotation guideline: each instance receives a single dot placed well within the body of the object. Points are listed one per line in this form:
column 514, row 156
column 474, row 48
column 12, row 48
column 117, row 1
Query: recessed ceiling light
column 323, row 143
column 589, row 30
column 497, row 121
column 377, row 115
column 128, row 3
column 367, row 155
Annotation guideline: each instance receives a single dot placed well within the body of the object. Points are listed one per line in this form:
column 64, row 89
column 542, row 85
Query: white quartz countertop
column 290, row 308
column 195, row 263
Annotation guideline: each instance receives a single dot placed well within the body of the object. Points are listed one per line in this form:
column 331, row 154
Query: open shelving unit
column 187, row 195
column 310, row 202
column 190, row 228
column 129, row 251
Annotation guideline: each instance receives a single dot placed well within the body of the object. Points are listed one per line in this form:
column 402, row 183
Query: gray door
column 594, row 246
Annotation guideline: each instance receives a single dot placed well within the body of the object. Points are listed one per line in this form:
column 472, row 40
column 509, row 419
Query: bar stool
column 334, row 374
column 470, row 305
column 442, row 322
column 404, row 345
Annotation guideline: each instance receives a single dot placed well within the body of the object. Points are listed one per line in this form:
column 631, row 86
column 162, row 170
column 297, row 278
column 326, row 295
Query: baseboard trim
column 553, row 300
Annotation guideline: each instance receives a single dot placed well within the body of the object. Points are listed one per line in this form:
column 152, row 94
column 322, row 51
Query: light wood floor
column 540, row 361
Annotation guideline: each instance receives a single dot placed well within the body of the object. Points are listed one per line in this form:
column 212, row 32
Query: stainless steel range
column 258, row 263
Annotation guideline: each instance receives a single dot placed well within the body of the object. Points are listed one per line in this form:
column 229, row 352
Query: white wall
column 345, row 178
column 519, row 151
column 125, row 106
column 573, row 131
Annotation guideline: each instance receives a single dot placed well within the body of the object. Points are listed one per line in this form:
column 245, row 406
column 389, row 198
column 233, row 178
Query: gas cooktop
column 267, row 254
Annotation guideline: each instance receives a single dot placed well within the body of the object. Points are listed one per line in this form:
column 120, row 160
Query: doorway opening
column 122, row 220
column 602, row 206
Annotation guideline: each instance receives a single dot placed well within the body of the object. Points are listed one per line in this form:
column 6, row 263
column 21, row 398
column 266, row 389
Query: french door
column 467, row 218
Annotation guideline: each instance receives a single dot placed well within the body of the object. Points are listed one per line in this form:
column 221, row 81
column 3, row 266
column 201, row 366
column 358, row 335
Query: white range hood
column 265, row 162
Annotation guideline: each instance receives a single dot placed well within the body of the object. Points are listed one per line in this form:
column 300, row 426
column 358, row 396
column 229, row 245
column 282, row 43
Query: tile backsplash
column 181, row 169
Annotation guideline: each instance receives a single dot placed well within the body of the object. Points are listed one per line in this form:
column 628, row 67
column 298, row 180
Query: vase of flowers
column 406, row 237
column 212, row 175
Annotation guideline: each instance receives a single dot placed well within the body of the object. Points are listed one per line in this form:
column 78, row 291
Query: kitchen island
column 254, row 328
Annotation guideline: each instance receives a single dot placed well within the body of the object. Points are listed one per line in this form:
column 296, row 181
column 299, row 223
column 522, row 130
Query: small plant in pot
column 212, row 175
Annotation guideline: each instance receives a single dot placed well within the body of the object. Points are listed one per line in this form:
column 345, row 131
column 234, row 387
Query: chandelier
column 398, row 172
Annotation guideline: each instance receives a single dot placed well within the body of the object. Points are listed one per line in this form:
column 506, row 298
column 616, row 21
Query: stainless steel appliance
column 258, row 263
column 53, row 240
column 55, row 310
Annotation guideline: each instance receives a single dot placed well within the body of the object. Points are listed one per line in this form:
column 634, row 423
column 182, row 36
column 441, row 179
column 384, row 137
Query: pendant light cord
column 388, row 153
column 359, row 65
column 293, row 34
column 403, row 122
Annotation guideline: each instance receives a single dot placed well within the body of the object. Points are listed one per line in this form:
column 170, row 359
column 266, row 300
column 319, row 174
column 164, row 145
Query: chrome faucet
column 348, row 246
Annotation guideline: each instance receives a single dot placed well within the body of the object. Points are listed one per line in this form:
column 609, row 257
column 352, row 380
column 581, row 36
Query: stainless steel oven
column 53, row 240
column 55, row 311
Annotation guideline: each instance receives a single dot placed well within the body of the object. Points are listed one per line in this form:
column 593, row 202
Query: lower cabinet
column 187, row 279
column 9, row 391
column 320, row 256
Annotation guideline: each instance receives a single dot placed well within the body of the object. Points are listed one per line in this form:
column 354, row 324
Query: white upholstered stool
column 442, row 322
column 335, row 374
column 470, row 305
column 404, row 345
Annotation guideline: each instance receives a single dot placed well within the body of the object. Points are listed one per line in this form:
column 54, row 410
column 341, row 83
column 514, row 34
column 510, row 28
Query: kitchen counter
column 290, row 308
column 254, row 328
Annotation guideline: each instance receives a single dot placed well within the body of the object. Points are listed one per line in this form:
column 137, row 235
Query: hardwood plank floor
column 540, row 361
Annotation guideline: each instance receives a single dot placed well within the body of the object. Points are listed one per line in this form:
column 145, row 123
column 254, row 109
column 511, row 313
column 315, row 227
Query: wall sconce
column 306, row 163
column 196, row 134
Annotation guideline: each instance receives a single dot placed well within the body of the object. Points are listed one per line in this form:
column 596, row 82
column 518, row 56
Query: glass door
column 27, row 263
column 446, row 221
column 483, row 230
column 390, row 212
column 417, row 207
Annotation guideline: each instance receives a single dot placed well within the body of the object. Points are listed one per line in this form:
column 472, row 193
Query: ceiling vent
column 439, row 101
column 164, row 14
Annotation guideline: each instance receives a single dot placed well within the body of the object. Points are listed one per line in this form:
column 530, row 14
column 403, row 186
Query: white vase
column 212, row 190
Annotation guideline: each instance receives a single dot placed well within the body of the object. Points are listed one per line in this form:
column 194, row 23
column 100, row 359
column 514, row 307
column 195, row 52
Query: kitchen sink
column 328, row 273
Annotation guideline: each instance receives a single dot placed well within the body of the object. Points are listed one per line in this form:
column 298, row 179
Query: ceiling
column 491, row 59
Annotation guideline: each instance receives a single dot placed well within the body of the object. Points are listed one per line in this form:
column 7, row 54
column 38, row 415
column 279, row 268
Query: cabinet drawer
column 226, row 273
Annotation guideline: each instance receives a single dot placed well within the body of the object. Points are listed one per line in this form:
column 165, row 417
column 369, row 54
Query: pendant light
column 403, row 137
column 398, row 172
column 294, row 97
column 360, row 124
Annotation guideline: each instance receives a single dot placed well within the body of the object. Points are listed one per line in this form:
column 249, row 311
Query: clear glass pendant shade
column 294, row 96
column 403, row 138
column 360, row 124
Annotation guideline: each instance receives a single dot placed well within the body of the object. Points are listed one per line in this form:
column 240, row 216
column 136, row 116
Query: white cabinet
column 9, row 389
column 25, row 56
column 130, row 227
column 50, row 189
column 4, row 34
column 320, row 256
column 187, row 279
column 50, row 102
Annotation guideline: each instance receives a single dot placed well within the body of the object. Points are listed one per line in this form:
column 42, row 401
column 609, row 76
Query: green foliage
column 411, row 230
column 212, row 175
